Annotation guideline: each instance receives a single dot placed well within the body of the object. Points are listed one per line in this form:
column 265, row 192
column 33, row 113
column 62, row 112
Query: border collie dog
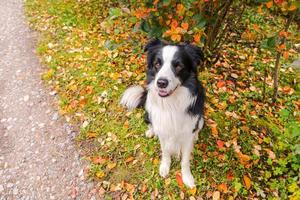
column 174, row 101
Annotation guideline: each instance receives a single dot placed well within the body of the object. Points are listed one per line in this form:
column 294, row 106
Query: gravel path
column 38, row 159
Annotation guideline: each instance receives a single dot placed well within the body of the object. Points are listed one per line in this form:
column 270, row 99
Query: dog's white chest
column 169, row 117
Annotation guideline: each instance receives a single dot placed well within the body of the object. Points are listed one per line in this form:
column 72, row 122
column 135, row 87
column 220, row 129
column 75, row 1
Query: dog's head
column 169, row 66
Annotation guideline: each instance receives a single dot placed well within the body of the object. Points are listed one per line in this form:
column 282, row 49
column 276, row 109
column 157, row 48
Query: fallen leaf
column 223, row 187
column 144, row 188
column 247, row 182
column 111, row 165
column 216, row 195
column 192, row 191
column 229, row 175
column 91, row 135
column 98, row 160
column 179, row 179
column 221, row 84
column 100, row 174
column 214, row 130
column 155, row 161
column 129, row 159
column 285, row 54
column 220, row 144
column 269, row 4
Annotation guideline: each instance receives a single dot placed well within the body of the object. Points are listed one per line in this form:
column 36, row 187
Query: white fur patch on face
column 166, row 71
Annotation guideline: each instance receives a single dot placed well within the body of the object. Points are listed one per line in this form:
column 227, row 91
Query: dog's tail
column 133, row 97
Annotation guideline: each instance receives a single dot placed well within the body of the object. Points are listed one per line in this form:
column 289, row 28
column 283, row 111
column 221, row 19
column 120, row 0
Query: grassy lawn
column 249, row 148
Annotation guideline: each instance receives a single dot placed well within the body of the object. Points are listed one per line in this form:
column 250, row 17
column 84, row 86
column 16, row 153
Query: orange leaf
column 197, row 37
column 91, row 135
column 179, row 179
column 174, row 24
column 283, row 34
column 220, row 144
column 292, row 8
column 129, row 159
column 144, row 188
column 286, row 54
column 98, row 160
column 180, row 8
column 214, row 130
column 281, row 47
column 176, row 37
column 269, row 4
column 247, row 182
column 111, row 165
column 221, row 84
column 229, row 175
column 223, row 188
column 185, row 26
column 244, row 159
column 259, row 9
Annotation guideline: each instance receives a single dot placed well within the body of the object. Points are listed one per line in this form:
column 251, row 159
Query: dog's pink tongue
column 163, row 93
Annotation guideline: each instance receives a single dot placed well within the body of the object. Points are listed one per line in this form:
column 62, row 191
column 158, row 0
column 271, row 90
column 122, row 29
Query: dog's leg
column 165, row 161
column 149, row 133
column 187, row 176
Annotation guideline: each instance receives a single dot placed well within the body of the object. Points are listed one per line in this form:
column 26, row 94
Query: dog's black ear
column 153, row 43
column 195, row 52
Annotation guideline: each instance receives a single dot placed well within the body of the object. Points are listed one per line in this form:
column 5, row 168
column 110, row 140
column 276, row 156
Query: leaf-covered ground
column 249, row 147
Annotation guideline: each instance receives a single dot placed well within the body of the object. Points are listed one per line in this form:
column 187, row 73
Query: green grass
column 92, row 58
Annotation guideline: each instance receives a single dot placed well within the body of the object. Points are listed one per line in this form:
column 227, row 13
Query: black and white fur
column 174, row 102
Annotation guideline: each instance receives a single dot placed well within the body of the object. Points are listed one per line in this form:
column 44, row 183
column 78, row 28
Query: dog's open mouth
column 163, row 93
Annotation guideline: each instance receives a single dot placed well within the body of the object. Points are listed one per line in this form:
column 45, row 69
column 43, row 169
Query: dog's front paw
column 164, row 170
column 188, row 180
column 149, row 133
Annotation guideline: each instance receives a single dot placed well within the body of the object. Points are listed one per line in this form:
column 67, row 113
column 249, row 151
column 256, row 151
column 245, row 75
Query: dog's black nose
column 162, row 83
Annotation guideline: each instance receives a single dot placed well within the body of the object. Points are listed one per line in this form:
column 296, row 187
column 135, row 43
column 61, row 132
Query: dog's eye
column 178, row 67
column 157, row 65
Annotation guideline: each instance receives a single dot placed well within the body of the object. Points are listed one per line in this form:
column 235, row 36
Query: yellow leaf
column 91, row 135
column 100, row 174
column 269, row 4
column 155, row 161
column 247, row 182
column 259, row 9
column 111, row 165
column 193, row 191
